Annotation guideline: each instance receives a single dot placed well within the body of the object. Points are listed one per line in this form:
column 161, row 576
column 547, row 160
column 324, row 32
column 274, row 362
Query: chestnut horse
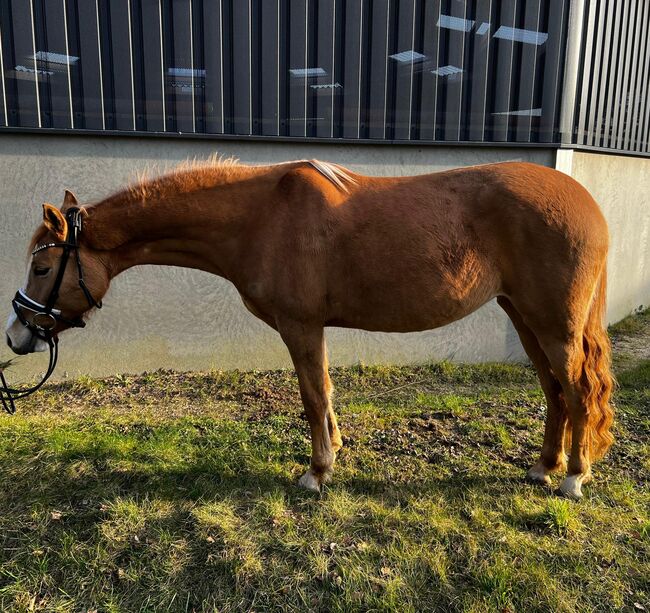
column 309, row 244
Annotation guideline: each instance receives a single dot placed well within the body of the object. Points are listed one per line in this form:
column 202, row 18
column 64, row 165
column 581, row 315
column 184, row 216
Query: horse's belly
column 406, row 309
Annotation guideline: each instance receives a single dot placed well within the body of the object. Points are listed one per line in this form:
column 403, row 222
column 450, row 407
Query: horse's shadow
column 206, row 481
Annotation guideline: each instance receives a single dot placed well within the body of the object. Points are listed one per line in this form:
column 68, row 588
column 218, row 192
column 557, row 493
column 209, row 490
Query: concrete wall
column 172, row 318
column 621, row 186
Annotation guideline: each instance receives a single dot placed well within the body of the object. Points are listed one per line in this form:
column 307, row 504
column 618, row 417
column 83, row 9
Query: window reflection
column 452, row 70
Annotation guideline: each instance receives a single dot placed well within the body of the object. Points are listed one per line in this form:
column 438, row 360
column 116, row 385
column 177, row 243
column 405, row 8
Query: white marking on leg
column 539, row 474
column 571, row 487
column 309, row 481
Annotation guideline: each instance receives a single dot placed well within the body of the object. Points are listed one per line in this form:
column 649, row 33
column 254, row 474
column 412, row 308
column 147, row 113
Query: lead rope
column 9, row 395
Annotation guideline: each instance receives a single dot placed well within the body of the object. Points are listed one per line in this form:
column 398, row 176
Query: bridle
column 45, row 316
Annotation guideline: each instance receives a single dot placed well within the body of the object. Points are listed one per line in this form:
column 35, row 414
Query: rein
column 45, row 316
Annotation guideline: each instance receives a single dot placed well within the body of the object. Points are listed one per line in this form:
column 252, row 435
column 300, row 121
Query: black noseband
column 45, row 316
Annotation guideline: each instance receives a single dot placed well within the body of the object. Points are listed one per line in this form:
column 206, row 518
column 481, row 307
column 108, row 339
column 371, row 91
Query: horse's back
column 411, row 253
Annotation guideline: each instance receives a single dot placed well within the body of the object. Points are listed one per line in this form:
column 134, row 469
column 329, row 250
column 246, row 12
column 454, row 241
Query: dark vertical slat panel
column 89, row 74
column 606, row 65
column 454, row 81
column 416, row 86
column 365, row 82
column 391, row 48
column 378, row 30
column 321, row 99
column 284, row 77
column 351, row 78
column 640, row 78
column 226, row 65
column 312, row 62
column 634, row 42
column 120, row 73
column 597, row 72
column 646, row 125
column 269, row 67
column 150, row 13
column 76, row 93
column 552, row 80
column 586, row 75
column 212, row 20
column 644, row 128
column 256, row 29
column 402, row 72
column 503, row 50
column 20, row 78
column 644, row 69
column 179, row 66
column 297, row 10
column 479, row 63
column 338, row 54
column 139, row 93
column 9, row 83
column 241, row 67
column 441, row 78
column 58, row 83
column 3, row 92
column 198, row 63
column 44, row 76
column 429, row 87
column 614, row 72
column 620, row 104
column 106, row 71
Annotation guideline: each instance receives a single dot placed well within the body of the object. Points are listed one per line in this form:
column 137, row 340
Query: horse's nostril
column 9, row 342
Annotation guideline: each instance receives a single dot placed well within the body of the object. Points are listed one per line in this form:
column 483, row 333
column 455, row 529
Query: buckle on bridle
column 44, row 321
column 45, row 317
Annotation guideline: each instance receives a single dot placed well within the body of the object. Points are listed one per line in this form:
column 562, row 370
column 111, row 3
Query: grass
column 176, row 492
column 632, row 324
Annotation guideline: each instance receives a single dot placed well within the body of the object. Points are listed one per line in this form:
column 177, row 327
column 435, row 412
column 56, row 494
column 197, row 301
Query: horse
column 309, row 244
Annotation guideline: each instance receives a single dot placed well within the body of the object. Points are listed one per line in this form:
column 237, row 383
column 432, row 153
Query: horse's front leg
column 306, row 344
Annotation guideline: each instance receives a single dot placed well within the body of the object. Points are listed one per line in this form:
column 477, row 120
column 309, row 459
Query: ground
column 176, row 492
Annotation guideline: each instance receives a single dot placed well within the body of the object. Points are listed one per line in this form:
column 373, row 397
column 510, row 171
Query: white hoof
column 571, row 487
column 538, row 474
column 309, row 481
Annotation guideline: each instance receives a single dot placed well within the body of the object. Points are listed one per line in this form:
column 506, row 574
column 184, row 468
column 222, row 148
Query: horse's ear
column 69, row 199
column 55, row 221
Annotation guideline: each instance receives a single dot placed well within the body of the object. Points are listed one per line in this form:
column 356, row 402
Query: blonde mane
column 193, row 174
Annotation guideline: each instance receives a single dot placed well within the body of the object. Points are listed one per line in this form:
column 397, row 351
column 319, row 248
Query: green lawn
column 175, row 492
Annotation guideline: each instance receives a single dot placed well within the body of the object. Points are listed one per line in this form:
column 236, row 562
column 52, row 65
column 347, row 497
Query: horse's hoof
column 571, row 487
column 309, row 481
column 537, row 474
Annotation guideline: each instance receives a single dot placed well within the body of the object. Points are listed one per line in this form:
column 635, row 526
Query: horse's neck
column 192, row 230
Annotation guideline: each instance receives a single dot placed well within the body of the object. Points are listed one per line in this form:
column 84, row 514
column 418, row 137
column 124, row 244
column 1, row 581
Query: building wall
column 157, row 317
column 621, row 186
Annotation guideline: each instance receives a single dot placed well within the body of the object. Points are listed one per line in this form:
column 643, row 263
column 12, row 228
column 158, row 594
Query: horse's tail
column 597, row 379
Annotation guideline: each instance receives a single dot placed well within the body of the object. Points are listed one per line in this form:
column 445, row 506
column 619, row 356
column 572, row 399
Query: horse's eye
column 41, row 272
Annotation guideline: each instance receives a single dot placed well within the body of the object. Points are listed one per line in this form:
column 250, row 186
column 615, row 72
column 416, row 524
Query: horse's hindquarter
column 416, row 253
column 420, row 252
column 404, row 256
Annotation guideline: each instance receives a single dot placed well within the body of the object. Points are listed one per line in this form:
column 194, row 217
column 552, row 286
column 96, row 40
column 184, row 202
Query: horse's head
column 66, row 279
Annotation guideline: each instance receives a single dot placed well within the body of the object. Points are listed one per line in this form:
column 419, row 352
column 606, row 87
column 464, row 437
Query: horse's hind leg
column 552, row 457
column 306, row 345
column 578, row 351
column 332, row 424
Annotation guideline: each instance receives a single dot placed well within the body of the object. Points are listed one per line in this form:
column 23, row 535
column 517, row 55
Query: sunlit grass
column 176, row 492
